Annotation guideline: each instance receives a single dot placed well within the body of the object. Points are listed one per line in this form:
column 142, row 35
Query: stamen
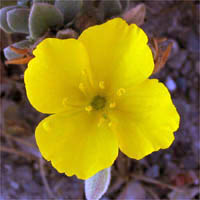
column 101, row 121
column 121, row 91
column 88, row 108
column 87, row 77
column 112, row 105
column 102, row 85
column 46, row 126
column 110, row 124
column 83, row 72
column 82, row 88
column 65, row 100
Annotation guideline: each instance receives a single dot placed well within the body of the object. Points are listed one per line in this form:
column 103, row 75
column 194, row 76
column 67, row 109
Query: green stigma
column 98, row 102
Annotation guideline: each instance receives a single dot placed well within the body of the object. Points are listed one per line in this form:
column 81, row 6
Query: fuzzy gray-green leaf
column 97, row 185
column 23, row 2
column 7, row 3
column 9, row 54
column 42, row 17
column 44, row 1
column 3, row 19
column 111, row 7
column 18, row 20
column 69, row 8
column 125, row 4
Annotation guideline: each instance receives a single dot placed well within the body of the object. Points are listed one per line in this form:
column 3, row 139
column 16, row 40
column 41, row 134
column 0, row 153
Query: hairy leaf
column 9, row 54
column 97, row 185
column 42, row 17
column 3, row 19
column 18, row 20
column 111, row 7
column 69, row 8
column 44, row 1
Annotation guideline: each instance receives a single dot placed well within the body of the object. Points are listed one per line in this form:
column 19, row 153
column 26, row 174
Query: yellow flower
column 101, row 100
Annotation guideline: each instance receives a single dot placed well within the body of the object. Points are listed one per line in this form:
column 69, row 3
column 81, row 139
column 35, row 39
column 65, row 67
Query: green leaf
column 9, row 54
column 3, row 18
column 5, row 3
column 18, row 20
column 23, row 2
column 111, row 7
column 97, row 185
column 125, row 4
column 42, row 17
column 69, row 8
column 44, row 1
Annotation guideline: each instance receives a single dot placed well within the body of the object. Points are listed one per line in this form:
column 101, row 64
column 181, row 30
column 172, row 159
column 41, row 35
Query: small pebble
column 193, row 42
column 170, row 83
column 196, row 81
column 197, row 67
column 186, row 68
column 182, row 84
column 32, row 187
column 167, row 157
column 153, row 171
column 190, row 162
column 8, row 168
column 178, row 60
column 193, row 95
column 14, row 185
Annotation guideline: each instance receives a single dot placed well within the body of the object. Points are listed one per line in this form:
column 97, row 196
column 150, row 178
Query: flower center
column 98, row 102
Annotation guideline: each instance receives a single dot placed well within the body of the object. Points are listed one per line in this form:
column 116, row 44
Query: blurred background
column 166, row 174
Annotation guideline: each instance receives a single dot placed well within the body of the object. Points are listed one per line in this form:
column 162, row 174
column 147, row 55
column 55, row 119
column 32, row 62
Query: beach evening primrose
column 98, row 90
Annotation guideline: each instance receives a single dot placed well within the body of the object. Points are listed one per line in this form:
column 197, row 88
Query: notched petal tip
column 52, row 76
column 149, row 119
column 76, row 150
column 118, row 67
column 48, row 43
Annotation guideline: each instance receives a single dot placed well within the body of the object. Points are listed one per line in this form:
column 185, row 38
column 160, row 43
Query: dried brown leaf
column 160, row 55
column 19, row 51
column 165, row 55
column 135, row 15
column 19, row 61
column 67, row 33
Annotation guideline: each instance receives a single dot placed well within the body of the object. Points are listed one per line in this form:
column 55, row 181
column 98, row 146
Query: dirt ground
column 166, row 174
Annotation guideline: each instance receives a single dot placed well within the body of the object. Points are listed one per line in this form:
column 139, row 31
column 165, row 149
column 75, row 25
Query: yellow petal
column 53, row 76
column 76, row 144
column 145, row 119
column 119, row 53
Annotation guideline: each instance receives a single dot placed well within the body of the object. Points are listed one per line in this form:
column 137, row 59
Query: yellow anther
column 110, row 124
column 121, row 91
column 83, row 72
column 46, row 126
column 81, row 86
column 112, row 105
column 102, row 84
column 101, row 121
column 88, row 108
column 65, row 100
